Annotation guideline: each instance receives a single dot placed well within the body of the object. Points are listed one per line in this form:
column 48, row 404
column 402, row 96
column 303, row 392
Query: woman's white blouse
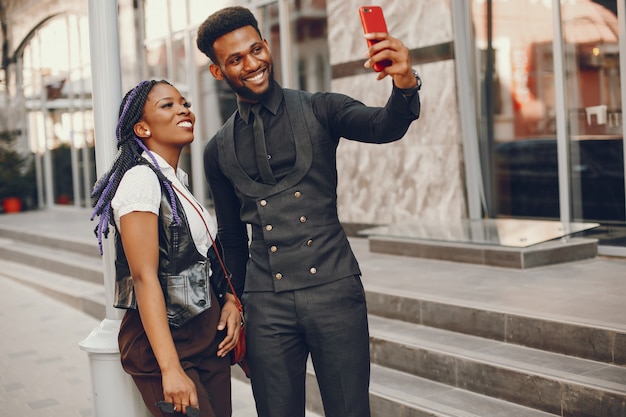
column 140, row 190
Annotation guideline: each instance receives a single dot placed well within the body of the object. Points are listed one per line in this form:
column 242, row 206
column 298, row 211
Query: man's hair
column 219, row 24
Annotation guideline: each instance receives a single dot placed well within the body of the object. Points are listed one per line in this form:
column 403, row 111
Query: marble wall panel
column 417, row 23
column 421, row 177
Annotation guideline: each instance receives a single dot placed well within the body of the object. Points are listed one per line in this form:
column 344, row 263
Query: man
column 299, row 280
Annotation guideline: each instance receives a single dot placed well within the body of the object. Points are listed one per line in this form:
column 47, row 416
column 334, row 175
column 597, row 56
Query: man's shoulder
column 228, row 124
column 296, row 93
column 227, row 127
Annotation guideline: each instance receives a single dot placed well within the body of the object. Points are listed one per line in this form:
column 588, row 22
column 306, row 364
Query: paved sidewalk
column 43, row 372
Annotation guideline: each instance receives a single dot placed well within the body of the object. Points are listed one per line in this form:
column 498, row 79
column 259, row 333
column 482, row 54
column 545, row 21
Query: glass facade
column 519, row 129
column 548, row 106
column 58, row 120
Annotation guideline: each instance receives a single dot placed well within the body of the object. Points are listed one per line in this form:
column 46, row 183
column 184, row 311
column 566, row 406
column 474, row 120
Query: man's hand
column 231, row 320
column 394, row 50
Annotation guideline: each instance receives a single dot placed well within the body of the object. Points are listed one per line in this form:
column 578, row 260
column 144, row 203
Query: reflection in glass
column 156, row 18
column 179, row 77
column 594, row 110
column 156, row 59
column 518, row 128
column 499, row 232
column 57, row 97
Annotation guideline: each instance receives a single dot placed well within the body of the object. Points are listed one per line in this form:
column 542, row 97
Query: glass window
column 156, row 19
column 178, row 14
column 518, row 127
column 156, row 59
column 201, row 9
column 56, row 69
column 309, row 44
column 269, row 24
column 517, row 107
column 179, row 77
column 594, row 110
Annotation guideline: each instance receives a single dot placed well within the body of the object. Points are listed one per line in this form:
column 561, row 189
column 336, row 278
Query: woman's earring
column 148, row 133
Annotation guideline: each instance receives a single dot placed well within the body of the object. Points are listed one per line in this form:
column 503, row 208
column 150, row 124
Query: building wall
column 419, row 178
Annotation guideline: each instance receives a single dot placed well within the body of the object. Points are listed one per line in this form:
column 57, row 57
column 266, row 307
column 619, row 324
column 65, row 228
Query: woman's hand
column 179, row 389
column 231, row 320
column 139, row 231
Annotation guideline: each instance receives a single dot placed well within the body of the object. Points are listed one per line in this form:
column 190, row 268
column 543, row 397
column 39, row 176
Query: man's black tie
column 262, row 159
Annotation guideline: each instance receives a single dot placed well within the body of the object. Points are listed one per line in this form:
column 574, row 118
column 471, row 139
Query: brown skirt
column 196, row 343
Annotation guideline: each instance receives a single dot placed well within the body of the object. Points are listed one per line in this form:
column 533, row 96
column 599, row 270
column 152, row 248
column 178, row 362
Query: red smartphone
column 373, row 20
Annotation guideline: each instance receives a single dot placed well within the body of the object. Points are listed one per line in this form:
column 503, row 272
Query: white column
column 561, row 118
column 286, row 44
column 621, row 15
column 114, row 392
column 463, row 49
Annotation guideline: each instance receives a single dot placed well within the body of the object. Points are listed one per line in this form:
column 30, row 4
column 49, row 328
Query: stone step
column 541, row 380
column 591, row 340
column 465, row 351
column 461, row 362
column 83, row 295
column 67, row 242
column 598, row 341
column 396, row 393
column 58, row 258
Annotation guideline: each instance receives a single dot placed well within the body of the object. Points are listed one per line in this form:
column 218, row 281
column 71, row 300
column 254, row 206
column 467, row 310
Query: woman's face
column 167, row 116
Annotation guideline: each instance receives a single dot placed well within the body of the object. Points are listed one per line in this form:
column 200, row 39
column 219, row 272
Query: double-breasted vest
column 297, row 239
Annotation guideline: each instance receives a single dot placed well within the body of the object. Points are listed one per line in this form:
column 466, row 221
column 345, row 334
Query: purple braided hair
column 129, row 154
column 167, row 185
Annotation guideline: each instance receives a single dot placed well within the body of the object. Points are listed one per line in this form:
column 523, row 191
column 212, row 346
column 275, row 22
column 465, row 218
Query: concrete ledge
column 547, row 253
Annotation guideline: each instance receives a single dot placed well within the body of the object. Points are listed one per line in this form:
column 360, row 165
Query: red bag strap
column 217, row 252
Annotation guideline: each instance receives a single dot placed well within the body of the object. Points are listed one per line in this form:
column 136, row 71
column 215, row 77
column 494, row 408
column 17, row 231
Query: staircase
column 431, row 356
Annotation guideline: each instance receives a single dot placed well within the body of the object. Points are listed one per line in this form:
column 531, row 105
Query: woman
column 174, row 339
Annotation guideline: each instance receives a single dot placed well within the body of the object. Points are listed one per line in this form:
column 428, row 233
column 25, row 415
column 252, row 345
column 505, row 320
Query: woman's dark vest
column 297, row 240
column 183, row 271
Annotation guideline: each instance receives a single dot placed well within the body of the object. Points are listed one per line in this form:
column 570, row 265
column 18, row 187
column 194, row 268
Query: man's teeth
column 184, row 124
column 256, row 78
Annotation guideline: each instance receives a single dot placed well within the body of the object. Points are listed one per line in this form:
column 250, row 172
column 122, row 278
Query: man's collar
column 271, row 102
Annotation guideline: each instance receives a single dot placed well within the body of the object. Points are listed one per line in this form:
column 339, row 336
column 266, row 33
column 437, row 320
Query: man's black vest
column 297, row 240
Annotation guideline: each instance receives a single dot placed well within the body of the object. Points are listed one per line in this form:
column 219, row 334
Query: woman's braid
column 129, row 151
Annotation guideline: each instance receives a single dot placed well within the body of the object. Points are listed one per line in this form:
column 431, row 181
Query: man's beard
column 247, row 94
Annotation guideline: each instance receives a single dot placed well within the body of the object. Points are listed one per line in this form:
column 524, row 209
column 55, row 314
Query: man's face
column 245, row 62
